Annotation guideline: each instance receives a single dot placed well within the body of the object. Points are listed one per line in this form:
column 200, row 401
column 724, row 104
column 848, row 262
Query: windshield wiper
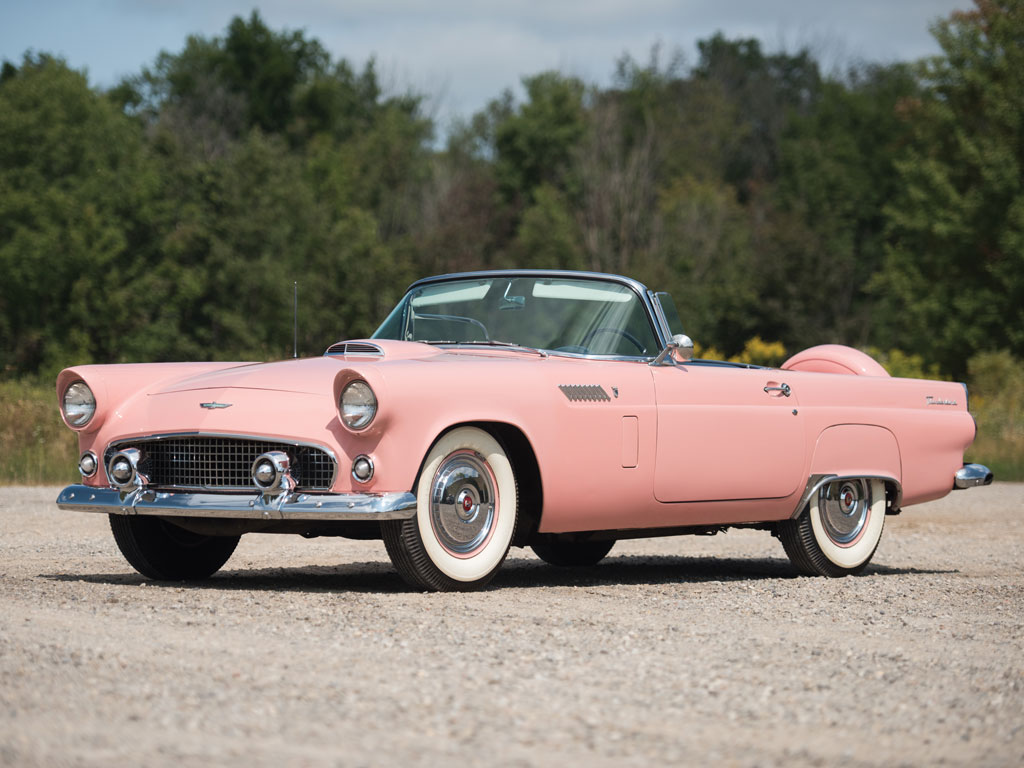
column 487, row 343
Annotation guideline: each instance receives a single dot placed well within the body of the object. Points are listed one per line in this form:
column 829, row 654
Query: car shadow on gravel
column 518, row 573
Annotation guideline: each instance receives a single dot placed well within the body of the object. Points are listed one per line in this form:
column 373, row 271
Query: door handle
column 783, row 388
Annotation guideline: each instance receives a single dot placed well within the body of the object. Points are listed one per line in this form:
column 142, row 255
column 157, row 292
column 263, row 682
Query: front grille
column 222, row 463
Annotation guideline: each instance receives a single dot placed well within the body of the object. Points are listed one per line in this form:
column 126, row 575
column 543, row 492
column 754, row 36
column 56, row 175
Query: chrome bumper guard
column 971, row 476
column 253, row 506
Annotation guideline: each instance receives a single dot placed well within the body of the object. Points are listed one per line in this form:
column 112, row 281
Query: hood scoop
column 354, row 349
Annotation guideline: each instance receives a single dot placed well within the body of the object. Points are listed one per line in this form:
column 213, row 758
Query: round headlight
column 358, row 404
column 79, row 405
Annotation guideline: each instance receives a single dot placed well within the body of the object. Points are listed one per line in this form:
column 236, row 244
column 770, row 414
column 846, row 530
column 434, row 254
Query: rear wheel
column 567, row 553
column 466, row 512
column 838, row 532
column 163, row 551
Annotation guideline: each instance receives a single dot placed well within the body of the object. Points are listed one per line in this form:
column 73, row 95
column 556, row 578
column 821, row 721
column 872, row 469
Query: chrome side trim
column 253, row 506
column 816, row 482
column 971, row 476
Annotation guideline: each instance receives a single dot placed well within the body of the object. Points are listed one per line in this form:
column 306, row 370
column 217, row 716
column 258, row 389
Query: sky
column 463, row 53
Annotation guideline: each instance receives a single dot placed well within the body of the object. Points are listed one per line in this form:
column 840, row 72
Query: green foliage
column 826, row 238
column 905, row 366
column 706, row 261
column 548, row 237
column 770, row 87
column 73, row 175
column 756, row 351
column 169, row 217
column 996, row 385
column 533, row 144
column 954, row 273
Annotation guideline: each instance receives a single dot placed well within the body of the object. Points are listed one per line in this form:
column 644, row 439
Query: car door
column 726, row 433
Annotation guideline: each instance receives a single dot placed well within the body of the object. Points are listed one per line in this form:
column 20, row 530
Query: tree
column 533, row 145
column 548, row 237
column 74, row 185
column 825, row 236
column 766, row 88
column 954, row 272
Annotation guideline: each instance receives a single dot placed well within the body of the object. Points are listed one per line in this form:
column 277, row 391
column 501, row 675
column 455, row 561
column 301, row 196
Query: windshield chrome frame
column 642, row 292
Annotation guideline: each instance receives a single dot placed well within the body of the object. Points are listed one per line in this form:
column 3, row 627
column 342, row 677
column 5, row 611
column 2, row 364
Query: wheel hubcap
column 844, row 508
column 462, row 502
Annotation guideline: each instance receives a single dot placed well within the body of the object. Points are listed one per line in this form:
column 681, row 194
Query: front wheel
column 838, row 532
column 165, row 552
column 466, row 511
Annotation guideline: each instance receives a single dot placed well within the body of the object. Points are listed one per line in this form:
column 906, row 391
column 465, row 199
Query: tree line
column 168, row 217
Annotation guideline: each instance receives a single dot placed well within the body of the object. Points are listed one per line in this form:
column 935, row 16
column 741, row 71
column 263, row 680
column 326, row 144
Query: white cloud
column 465, row 52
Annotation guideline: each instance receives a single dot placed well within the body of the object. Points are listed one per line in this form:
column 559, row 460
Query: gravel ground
column 684, row 650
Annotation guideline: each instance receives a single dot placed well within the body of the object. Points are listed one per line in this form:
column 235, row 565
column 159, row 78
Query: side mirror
column 678, row 350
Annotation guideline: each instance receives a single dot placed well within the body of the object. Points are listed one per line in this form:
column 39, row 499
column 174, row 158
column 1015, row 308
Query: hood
column 313, row 375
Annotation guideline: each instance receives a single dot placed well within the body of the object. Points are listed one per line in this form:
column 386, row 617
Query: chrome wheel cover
column 844, row 507
column 463, row 503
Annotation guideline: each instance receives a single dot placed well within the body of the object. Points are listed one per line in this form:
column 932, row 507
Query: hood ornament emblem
column 211, row 406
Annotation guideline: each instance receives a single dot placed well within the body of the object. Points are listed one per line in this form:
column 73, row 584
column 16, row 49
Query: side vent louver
column 584, row 392
column 354, row 348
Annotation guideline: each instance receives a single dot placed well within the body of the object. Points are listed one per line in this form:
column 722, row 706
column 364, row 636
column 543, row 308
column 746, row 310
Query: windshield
column 588, row 317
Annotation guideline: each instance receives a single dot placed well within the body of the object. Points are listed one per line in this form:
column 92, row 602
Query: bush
column 996, row 385
column 756, row 351
column 898, row 363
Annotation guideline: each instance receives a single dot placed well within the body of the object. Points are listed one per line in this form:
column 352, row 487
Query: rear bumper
column 251, row 506
column 972, row 475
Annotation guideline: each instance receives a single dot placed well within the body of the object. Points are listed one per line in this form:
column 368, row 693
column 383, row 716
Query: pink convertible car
column 556, row 410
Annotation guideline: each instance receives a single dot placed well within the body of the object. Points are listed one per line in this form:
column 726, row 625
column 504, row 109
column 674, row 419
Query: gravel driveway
column 692, row 650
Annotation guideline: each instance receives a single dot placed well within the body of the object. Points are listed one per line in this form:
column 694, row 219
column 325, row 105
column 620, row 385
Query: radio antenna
column 295, row 321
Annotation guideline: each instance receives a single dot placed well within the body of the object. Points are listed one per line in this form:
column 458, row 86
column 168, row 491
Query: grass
column 35, row 446
column 37, row 449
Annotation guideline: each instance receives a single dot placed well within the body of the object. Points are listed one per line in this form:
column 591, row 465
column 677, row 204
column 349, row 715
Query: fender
column 855, row 450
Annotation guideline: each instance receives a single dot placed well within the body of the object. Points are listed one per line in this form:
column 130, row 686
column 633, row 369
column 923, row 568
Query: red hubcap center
column 467, row 503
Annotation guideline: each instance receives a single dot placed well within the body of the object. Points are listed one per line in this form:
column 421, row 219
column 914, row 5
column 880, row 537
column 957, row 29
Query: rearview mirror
column 678, row 350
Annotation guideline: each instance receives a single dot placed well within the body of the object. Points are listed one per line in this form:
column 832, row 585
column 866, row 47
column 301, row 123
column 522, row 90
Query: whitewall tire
column 838, row 533
column 466, row 513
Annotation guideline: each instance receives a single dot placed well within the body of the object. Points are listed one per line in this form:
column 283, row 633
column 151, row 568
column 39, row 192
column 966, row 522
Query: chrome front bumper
column 252, row 506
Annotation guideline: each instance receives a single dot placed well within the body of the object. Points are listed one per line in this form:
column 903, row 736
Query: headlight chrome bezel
column 84, row 400
column 357, row 405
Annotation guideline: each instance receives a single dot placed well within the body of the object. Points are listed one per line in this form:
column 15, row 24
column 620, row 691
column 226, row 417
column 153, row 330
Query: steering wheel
column 618, row 332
